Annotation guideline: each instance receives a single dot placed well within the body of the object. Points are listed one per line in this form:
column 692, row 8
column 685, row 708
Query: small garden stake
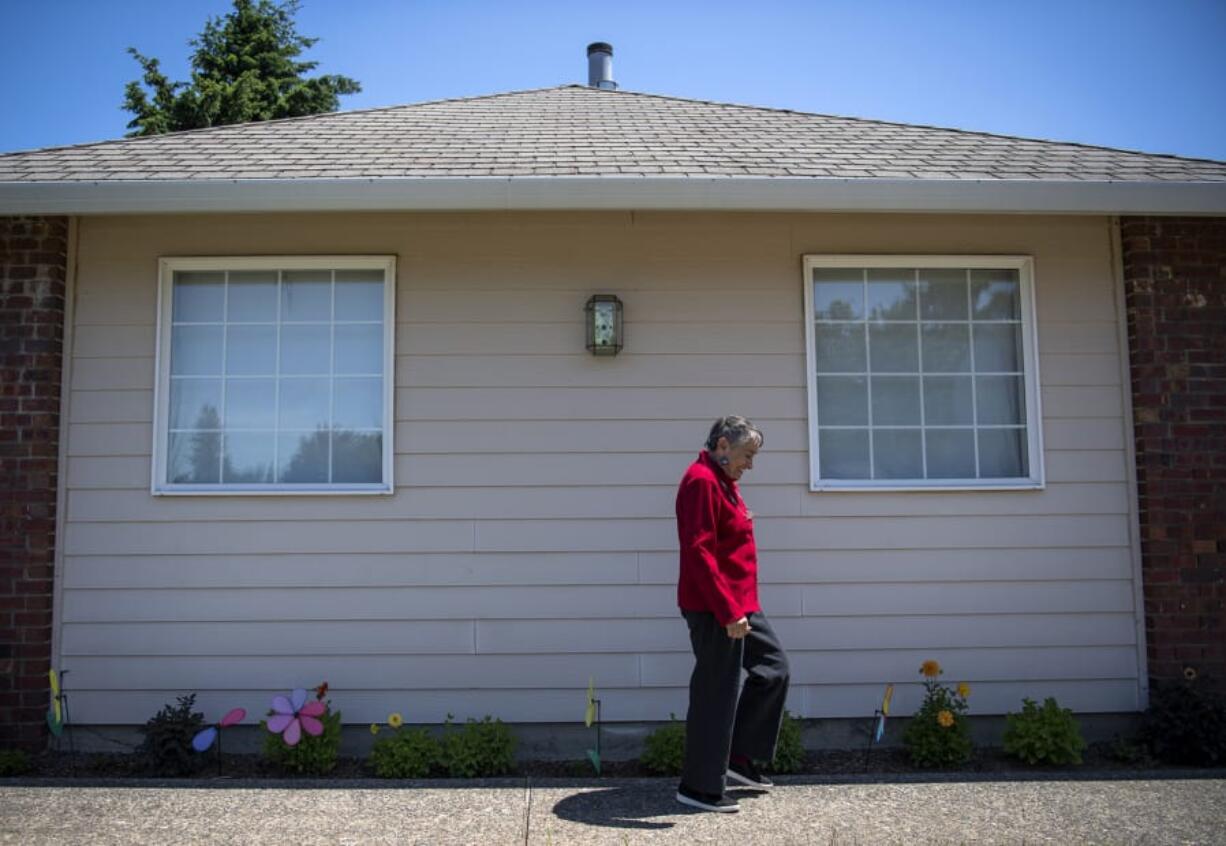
column 57, row 716
column 592, row 711
column 878, row 728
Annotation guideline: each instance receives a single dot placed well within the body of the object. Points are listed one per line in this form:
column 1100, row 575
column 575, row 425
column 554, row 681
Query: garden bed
column 1099, row 757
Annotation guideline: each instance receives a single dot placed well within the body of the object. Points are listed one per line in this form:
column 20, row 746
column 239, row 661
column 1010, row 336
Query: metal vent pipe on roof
column 600, row 66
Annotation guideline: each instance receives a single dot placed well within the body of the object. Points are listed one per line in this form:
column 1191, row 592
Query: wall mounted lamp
column 603, row 314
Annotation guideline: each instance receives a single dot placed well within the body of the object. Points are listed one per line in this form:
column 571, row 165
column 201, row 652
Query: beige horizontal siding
column 521, row 470
column 583, row 601
column 421, row 704
column 604, row 535
column 530, row 543
column 89, row 505
column 610, row 634
column 557, row 436
column 639, row 370
column 604, row 568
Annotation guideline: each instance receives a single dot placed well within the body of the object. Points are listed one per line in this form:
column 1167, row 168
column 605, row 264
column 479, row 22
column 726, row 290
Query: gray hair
column 735, row 429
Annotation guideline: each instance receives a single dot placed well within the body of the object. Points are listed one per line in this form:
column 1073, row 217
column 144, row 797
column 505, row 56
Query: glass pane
column 844, row 453
column 304, row 403
column 1002, row 454
column 897, row 455
column 359, row 404
column 359, row 348
column 838, row 293
column 996, row 294
column 306, row 295
column 947, row 401
column 357, row 457
column 305, row 350
column 195, row 403
column 194, row 458
column 896, row 401
column 842, row 401
column 951, row 453
column 943, row 294
column 840, row 347
column 198, row 296
column 252, row 297
column 303, row 457
column 998, row 347
column 892, row 294
column 1000, row 400
column 195, row 350
column 947, row 347
column 359, row 295
column 251, row 350
column 251, row 404
column 894, row 347
column 249, row 458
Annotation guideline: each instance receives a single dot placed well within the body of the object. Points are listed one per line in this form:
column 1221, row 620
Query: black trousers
column 723, row 718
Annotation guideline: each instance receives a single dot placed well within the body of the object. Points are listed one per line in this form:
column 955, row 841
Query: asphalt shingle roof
column 575, row 130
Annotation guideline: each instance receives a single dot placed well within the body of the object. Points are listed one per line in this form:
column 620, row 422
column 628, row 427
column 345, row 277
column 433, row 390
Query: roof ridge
column 578, row 89
column 877, row 121
column 132, row 139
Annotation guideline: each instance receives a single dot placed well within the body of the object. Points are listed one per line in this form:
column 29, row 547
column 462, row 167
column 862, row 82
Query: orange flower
column 930, row 669
column 964, row 689
column 946, row 719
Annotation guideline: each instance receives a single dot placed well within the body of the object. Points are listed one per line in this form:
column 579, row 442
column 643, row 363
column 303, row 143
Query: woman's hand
column 738, row 629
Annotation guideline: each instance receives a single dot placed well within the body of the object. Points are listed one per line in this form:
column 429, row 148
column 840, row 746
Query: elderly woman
column 727, row 728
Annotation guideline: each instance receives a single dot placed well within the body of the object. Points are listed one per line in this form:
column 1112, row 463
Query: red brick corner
column 1175, row 291
column 33, row 270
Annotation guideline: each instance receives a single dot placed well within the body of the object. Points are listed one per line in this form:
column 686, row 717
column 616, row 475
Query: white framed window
column 274, row 375
column 922, row 372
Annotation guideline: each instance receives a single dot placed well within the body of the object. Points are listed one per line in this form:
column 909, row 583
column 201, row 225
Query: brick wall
column 33, row 261
column 1175, row 290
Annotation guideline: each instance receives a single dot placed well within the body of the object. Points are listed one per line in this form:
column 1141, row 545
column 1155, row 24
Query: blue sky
column 1145, row 76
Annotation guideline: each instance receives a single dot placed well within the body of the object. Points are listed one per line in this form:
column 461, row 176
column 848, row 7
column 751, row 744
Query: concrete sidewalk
column 1145, row 809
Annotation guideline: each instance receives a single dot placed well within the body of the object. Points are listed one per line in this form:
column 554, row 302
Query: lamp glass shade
column 604, row 324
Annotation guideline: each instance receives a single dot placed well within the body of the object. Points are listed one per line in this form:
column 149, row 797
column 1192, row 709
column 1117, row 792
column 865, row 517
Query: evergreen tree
column 243, row 69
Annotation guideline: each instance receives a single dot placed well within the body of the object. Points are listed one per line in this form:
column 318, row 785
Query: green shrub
column 1126, row 751
column 664, row 748
column 14, row 762
column 1185, row 722
column 485, row 748
column 939, row 735
column 167, row 745
column 789, row 751
column 1047, row 735
column 313, row 754
column 405, row 753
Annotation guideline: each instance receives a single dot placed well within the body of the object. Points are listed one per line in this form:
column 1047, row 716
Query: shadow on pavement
column 631, row 806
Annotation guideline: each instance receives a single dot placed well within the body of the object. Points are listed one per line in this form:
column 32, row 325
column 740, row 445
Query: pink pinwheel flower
column 294, row 715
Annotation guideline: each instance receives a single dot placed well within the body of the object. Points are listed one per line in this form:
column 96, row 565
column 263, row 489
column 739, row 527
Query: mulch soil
column 833, row 763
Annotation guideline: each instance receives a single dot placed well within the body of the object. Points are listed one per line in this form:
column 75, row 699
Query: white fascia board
column 614, row 192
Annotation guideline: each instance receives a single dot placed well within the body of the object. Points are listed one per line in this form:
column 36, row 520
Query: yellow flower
column 374, row 728
column 930, row 669
column 395, row 720
column 945, row 718
column 964, row 689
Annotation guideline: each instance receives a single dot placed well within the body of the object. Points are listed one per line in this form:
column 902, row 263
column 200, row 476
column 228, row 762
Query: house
column 309, row 400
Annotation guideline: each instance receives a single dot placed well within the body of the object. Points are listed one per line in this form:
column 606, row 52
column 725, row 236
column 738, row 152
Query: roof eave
column 715, row 193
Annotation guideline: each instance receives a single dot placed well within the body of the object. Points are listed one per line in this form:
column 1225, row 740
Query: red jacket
column 719, row 561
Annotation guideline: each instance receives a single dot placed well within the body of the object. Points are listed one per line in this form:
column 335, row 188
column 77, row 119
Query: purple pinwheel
column 294, row 715
column 204, row 739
